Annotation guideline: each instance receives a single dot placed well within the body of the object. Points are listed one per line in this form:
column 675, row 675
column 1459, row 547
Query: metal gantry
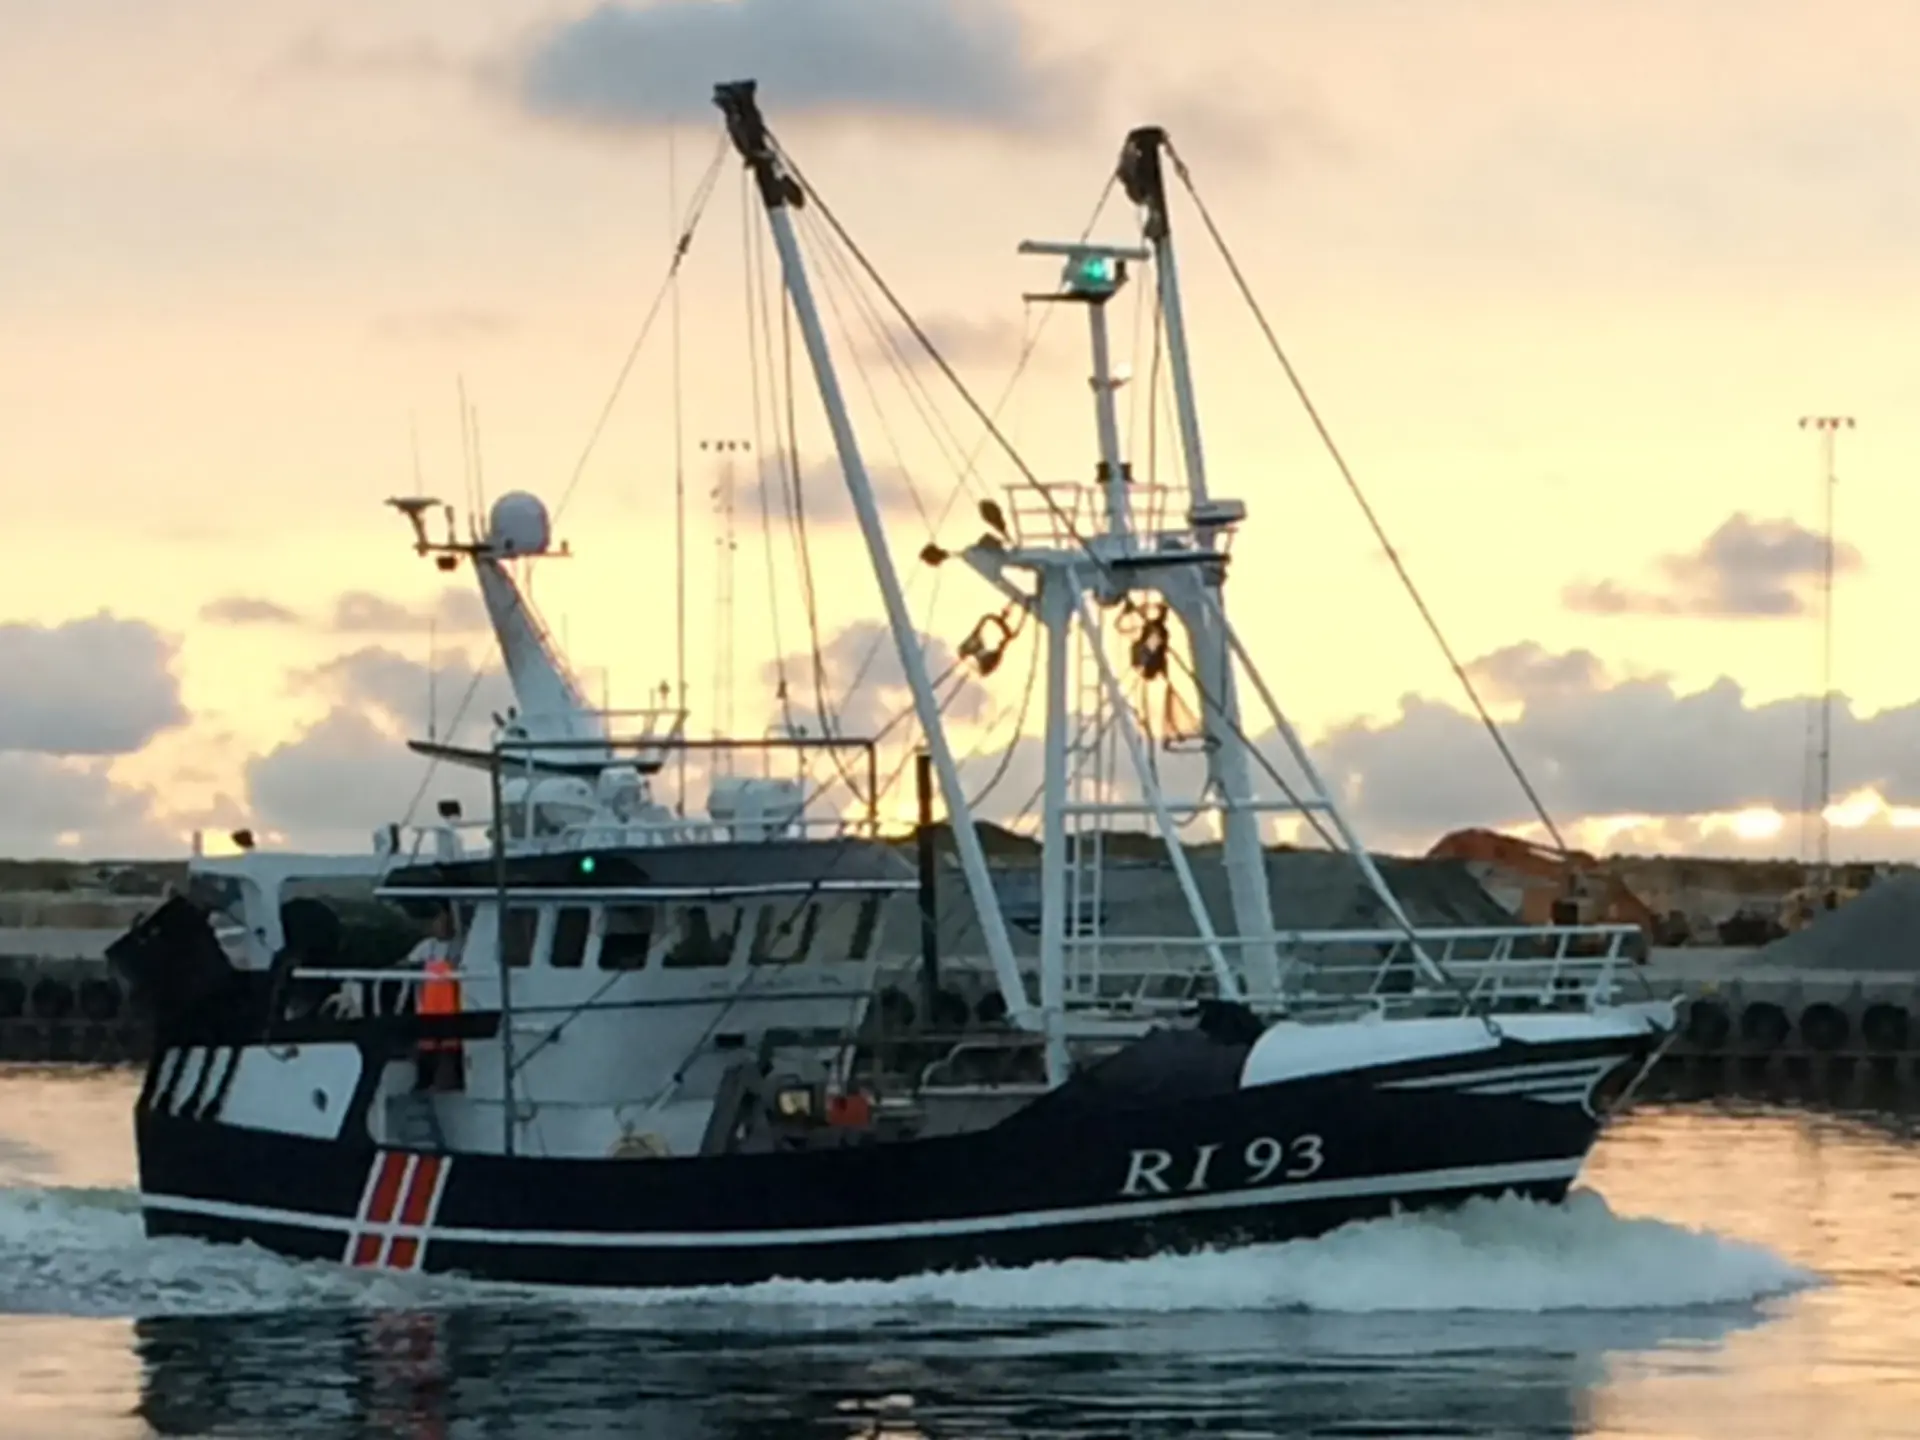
column 1072, row 555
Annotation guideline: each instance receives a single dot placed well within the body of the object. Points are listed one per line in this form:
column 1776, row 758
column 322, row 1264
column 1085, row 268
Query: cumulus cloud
column 451, row 612
column 99, row 686
column 345, row 777
column 1746, row 569
column 351, row 771
column 1647, row 760
column 1621, row 762
column 247, row 610
column 632, row 66
column 823, row 493
column 1596, row 745
column 75, row 806
column 397, row 691
column 864, row 683
column 1529, row 670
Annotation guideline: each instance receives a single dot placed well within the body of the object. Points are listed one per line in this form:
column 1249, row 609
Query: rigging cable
column 1366, row 509
column 1019, row 726
column 433, row 762
column 1064, row 518
column 679, row 501
column 793, row 501
column 993, row 430
column 990, row 420
column 702, row 193
column 752, row 259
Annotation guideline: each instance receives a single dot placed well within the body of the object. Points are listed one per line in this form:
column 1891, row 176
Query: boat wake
column 77, row 1251
column 1507, row 1255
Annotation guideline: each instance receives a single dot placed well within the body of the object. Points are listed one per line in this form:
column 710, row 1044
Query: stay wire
column 1366, row 508
column 794, row 504
column 1061, row 516
column 702, row 193
column 1065, row 519
column 759, row 349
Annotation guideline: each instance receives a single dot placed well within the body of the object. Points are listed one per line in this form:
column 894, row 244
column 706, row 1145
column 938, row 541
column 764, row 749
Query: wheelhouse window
column 704, row 937
column 626, row 937
column 784, row 932
column 571, row 924
column 518, row 929
column 864, row 928
column 846, row 928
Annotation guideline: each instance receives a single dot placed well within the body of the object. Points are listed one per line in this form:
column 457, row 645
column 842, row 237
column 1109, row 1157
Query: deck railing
column 1480, row 968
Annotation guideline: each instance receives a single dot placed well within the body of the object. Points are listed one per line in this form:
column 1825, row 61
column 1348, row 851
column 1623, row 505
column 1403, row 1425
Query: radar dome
column 517, row 525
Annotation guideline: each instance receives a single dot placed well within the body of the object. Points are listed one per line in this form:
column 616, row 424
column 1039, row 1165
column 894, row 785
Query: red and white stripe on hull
column 397, row 1210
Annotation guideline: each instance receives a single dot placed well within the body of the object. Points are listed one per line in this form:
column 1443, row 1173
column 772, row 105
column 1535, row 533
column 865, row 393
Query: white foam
column 1508, row 1255
column 83, row 1251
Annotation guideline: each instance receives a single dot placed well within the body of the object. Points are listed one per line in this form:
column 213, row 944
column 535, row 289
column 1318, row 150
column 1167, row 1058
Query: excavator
column 1555, row 889
column 1800, row 907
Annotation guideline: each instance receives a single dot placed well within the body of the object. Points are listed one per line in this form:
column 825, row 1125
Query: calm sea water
column 1743, row 1272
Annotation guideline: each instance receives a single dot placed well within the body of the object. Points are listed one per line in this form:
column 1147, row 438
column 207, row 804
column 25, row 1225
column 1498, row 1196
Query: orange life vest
column 439, row 991
column 855, row 1110
column 440, row 995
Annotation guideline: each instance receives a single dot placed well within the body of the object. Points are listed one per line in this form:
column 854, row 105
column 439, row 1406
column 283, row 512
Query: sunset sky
column 1561, row 277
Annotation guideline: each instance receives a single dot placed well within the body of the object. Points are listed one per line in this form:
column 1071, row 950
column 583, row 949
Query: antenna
column 466, row 448
column 726, row 544
column 433, row 678
column 679, row 488
column 1828, row 428
column 479, row 482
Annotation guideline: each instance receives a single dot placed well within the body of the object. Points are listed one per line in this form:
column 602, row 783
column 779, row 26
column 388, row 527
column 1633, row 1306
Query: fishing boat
column 667, row 1064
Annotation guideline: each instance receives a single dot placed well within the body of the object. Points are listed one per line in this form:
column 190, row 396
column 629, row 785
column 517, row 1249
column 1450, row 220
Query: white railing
column 1480, row 968
column 1066, row 514
column 469, row 840
column 641, row 833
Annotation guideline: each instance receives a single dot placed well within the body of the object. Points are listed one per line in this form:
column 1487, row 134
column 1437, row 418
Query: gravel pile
column 1878, row 931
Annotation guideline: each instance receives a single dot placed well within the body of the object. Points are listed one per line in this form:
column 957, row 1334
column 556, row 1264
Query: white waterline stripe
column 1300, row 1192
column 1529, row 1087
column 1586, row 1065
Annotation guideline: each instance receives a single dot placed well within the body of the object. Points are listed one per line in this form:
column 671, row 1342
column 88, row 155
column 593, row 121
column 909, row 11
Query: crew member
column 441, row 1060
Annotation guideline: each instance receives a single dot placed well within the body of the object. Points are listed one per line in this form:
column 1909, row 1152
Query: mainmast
column 1202, row 610
column 780, row 193
column 1198, row 599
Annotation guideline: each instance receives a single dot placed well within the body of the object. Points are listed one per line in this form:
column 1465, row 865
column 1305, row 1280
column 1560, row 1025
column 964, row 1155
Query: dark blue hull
column 1069, row 1176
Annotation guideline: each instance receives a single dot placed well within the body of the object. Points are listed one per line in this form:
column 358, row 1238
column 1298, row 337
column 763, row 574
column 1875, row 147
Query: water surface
column 1722, row 1271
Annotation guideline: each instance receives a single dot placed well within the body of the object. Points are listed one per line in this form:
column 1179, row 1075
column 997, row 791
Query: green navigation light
column 1095, row 272
column 587, row 863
